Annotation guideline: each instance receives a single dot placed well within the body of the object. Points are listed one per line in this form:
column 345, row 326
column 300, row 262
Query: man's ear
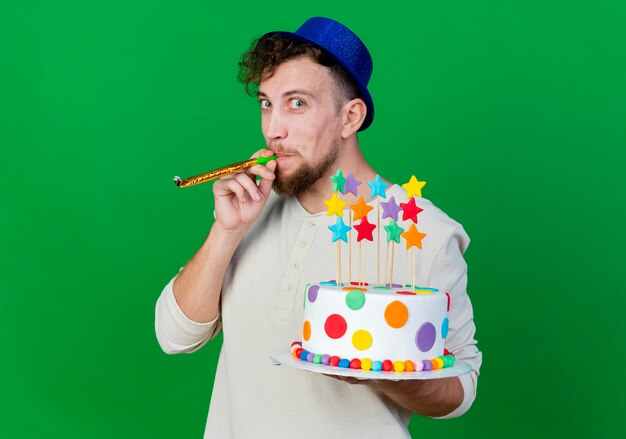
column 354, row 115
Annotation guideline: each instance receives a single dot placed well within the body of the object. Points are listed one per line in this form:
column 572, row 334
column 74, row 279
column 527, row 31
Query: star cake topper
column 365, row 229
column 410, row 210
column 390, row 209
column 378, row 187
column 414, row 187
column 351, row 185
column 413, row 237
column 335, row 205
column 361, row 209
column 393, row 231
column 338, row 181
column 339, row 230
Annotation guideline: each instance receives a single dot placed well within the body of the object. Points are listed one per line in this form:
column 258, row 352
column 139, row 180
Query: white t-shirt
column 261, row 312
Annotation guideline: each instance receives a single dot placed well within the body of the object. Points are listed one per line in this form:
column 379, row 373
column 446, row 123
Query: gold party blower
column 221, row 172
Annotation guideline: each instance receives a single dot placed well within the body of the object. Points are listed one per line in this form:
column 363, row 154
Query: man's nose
column 274, row 126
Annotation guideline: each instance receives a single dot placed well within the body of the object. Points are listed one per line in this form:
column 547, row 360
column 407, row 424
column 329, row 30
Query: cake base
column 284, row 357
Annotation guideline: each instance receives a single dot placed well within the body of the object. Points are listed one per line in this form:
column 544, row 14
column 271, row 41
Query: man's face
column 300, row 122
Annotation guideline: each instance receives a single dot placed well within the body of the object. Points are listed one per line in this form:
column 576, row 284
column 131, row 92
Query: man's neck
column 350, row 159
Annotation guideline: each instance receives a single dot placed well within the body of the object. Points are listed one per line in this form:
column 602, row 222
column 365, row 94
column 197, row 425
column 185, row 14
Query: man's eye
column 265, row 104
column 296, row 104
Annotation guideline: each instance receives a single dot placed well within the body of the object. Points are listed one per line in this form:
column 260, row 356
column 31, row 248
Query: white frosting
column 388, row 343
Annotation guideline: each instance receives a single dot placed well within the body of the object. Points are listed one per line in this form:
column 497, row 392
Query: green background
column 513, row 111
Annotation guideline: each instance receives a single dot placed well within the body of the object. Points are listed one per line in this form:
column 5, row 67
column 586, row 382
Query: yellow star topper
column 335, row 205
column 414, row 187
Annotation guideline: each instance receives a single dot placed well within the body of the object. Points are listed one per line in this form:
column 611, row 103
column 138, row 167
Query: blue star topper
column 339, row 230
column 378, row 187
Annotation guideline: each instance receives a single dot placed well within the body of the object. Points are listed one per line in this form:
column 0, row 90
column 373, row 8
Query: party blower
column 221, row 172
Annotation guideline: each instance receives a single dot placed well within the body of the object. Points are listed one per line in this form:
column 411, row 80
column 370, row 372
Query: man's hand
column 238, row 199
column 426, row 397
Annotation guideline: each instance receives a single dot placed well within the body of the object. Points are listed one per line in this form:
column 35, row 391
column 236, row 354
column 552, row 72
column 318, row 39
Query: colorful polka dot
column 361, row 284
column 444, row 328
column 425, row 337
column 335, row 326
column 377, row 366
column 406, row 293
column 306, row 330
column 312, row 294
column 355, row 299
column 396, row 314
column 362, row 339
column 448, row 301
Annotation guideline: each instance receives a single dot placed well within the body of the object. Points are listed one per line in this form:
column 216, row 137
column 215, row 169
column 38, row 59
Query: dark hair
column 269, row 52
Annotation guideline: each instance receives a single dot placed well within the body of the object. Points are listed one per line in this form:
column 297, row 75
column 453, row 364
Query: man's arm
column 238, row 203
column 427, row 397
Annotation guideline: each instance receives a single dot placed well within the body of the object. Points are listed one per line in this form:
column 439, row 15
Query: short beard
column 305, row 176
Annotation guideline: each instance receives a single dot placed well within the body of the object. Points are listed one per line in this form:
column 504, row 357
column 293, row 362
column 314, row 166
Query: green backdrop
column 513, row 111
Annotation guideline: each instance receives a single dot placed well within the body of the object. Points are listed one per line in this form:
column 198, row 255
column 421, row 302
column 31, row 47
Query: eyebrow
column 297, row 91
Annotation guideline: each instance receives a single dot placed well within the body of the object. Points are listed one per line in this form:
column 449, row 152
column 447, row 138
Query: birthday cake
column 380, row 327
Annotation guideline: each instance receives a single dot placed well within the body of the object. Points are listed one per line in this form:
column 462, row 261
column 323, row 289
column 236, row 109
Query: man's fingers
column 266, row 183
column 249, row 185
column 229, row 186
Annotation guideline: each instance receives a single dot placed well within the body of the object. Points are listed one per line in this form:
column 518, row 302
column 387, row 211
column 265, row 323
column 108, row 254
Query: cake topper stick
column 406, row 265
column 378, row 239
column 413, row 270
column 338, row 264
column 393, row 246
column 340, row 231
column 339, row 182
column 386, row 263
column 221, row 172
column 350, row 248
column 378, row 190
column 351, row 186
column 393, row 235
column 361, row 263
column 413, row 238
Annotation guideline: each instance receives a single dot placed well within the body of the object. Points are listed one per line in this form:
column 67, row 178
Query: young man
column 248, row 277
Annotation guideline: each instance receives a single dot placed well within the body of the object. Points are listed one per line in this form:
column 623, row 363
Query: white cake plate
column 284, row 357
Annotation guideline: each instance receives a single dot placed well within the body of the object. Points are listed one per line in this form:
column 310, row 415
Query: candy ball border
column 443, row 361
